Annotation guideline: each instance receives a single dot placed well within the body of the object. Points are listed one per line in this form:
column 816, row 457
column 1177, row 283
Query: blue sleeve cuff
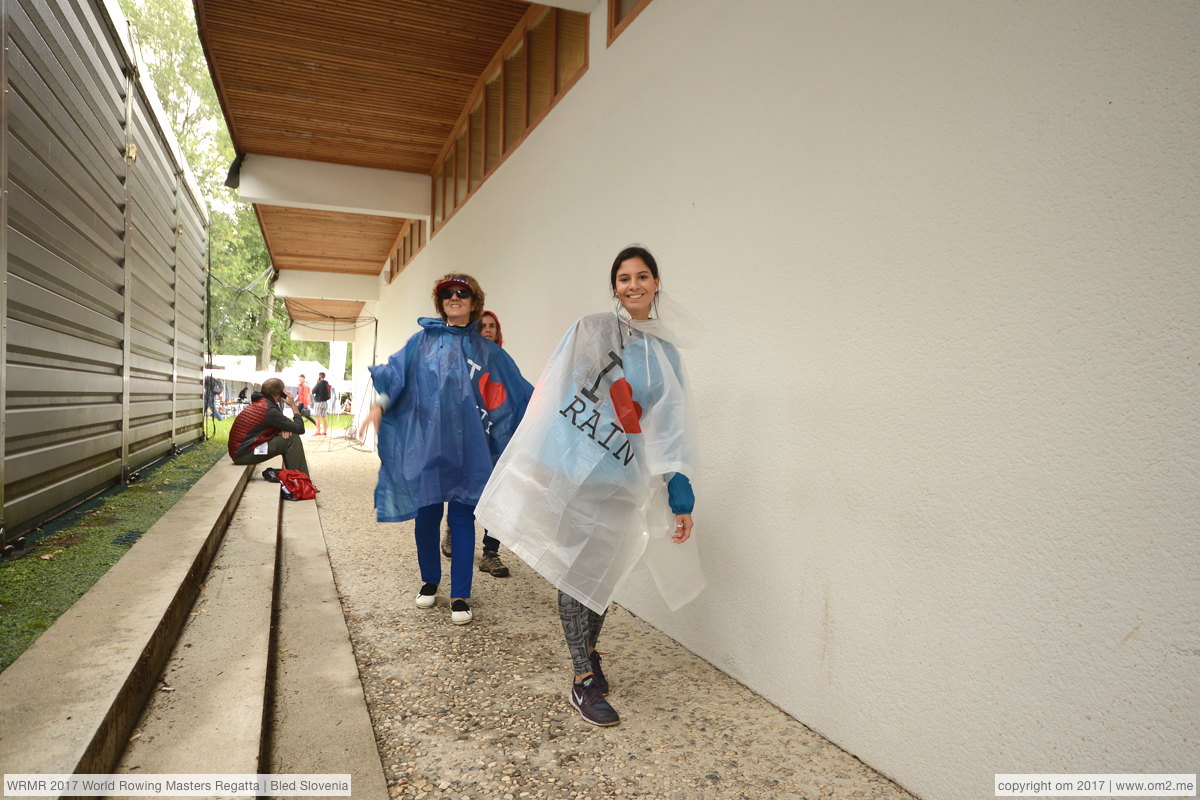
column 680, row 496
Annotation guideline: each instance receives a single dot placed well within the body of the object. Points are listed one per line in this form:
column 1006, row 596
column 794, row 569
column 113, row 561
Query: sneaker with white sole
column 427, row 596
column 590, row 703
column 460, row 612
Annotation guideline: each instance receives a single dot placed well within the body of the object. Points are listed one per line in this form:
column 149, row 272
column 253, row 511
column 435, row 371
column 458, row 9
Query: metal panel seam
column 175, row 322
column 126, row 351
column 3, row 254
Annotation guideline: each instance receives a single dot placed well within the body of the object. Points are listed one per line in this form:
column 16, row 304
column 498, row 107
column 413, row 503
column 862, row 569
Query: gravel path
column 480, row 711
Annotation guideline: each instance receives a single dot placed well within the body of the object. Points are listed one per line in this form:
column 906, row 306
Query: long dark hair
column 633, row 251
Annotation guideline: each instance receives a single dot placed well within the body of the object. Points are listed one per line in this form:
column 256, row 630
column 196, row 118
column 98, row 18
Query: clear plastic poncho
column 454, row 401
column 580, row 493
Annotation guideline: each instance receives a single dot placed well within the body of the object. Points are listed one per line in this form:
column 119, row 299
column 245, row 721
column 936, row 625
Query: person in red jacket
column 304, row 393
column 262, row 431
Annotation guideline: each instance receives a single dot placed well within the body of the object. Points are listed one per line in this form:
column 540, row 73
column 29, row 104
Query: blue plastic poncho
column 581, row 492
column 454, row 401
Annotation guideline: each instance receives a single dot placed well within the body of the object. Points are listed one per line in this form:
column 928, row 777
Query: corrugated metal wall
column 104, row 243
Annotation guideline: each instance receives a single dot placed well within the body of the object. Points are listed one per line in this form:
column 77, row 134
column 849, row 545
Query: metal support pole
column 3, row 254
column 175, row 324
column 131, row 77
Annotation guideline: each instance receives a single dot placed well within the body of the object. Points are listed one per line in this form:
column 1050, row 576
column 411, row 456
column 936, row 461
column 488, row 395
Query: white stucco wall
column 947, row 254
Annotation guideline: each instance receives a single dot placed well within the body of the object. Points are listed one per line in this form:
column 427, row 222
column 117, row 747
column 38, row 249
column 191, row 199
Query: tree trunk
column 264, row 357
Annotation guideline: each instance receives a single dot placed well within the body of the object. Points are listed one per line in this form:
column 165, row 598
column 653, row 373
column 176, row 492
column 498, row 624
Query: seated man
column 261, row 431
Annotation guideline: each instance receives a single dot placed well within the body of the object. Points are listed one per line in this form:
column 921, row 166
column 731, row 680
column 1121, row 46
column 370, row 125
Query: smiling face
column 635, row 287
column 458, row 309
column 488, row 328
column 455, row 310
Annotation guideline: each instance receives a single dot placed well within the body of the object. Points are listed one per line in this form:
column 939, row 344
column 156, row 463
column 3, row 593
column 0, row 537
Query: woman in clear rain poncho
column 449, row 401
column 596, row 478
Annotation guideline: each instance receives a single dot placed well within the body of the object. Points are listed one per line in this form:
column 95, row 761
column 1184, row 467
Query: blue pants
column 462, row 538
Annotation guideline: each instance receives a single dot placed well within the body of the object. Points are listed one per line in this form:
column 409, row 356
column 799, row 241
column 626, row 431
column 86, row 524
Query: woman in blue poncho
column 449, row 401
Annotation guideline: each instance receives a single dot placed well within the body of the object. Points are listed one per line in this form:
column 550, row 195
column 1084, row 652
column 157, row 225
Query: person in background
column 212, row 395
column 449, row 401
column 321, row 392
column 261, row 431
column 304, row 396
column 489, row 327
column 489, row 559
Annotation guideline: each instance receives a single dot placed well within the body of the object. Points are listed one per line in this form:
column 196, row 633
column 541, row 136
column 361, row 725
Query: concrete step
column 256, row 675
column 319, row 718
column 69, row 702
column 207, row 713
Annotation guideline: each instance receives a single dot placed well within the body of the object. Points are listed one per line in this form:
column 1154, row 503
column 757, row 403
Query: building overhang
column 582, row 6
column 339, row 114
column 301, row 284
column 322, row 186
column 315, row 320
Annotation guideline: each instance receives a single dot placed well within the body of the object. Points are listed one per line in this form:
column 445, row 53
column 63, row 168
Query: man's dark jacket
column 259, row 422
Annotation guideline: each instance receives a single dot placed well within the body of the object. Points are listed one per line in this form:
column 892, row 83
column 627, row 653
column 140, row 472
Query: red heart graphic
column 493, row 394
column 629, row 413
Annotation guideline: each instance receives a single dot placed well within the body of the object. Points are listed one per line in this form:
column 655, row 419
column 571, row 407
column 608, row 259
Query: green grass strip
column 69, row 554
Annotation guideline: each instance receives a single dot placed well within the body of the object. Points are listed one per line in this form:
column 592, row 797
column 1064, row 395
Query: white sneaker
column 427, row 596
column 460, row 612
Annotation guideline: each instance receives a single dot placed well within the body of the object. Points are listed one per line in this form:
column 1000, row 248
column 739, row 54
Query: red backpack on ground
column 296, row 485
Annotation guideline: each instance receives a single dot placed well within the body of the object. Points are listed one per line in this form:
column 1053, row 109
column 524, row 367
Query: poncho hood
column 487, row 312
column 670, row 322
column 437, row 323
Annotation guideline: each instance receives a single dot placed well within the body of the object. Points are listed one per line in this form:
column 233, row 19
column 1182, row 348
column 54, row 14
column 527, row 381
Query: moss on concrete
column 69, row 554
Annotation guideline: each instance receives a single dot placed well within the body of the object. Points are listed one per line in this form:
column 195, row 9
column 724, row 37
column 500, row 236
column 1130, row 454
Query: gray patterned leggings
column 582, row 627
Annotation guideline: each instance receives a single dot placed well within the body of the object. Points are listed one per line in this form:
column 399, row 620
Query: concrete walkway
column 480, row 711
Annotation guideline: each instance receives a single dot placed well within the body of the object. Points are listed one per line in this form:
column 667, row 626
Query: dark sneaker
column 591, row 705
column 490, row 562
column 427, row 596
column 446, row 543
column 597, row 673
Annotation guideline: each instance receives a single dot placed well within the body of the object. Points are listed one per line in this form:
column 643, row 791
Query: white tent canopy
column 241, row 368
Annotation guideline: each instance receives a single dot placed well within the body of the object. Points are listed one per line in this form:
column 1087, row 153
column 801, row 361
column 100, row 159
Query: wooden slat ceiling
column 333, row 311
column 371, row 83
column 367, row 83
column 327, row 241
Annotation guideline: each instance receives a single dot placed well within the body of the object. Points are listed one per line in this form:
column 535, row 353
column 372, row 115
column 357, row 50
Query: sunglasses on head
column 462, row 294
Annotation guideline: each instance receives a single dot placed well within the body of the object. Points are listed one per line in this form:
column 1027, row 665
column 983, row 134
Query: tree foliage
column 240, row 266
column 164, row 33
